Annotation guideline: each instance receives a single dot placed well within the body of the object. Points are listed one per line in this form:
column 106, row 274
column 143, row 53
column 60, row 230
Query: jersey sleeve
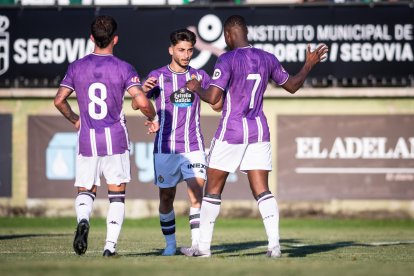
column 222, row 72
column 205, row 79
column 279, row 75
column 132, row 78
column 68, row 80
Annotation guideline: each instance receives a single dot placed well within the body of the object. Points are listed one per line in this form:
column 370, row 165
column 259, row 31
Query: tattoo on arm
column 63, row 106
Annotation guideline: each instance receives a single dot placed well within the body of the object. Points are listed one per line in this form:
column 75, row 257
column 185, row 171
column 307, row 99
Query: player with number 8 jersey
column 100, row 93
column 100, row 81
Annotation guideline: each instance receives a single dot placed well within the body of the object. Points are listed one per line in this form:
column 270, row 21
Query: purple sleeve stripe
column 217, row 86
column 67, row 86
column 135, row 84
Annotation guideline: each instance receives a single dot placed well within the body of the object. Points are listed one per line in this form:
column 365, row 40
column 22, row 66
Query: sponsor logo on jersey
column 196, row 165
column 135, row 79
column 182, row 98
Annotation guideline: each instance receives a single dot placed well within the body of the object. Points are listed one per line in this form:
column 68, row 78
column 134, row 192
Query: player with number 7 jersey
column 242, row 139
column 243, row 74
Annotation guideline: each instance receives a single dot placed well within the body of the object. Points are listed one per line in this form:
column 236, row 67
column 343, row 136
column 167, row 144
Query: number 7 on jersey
column 257, row 78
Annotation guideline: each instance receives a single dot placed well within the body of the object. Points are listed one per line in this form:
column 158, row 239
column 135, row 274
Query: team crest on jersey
column 135, row 79
column 182, row 98
column 160, row 179
column 216, row 74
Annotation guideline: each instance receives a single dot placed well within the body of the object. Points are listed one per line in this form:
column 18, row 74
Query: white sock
column 194, row 225
column 114, row 221
column 210, row 209
column 270, row 214
column 167, row 222
column 83, row 205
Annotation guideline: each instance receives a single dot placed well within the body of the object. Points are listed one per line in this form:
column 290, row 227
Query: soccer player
column 242, row 138
column 178, row 146
column 100, row 81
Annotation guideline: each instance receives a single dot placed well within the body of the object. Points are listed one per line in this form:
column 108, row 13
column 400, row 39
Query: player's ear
column 170, row 50
column 91, row 38
column 116, row 39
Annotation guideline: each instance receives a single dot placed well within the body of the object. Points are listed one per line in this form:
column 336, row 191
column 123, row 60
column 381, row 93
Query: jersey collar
column 178, row 73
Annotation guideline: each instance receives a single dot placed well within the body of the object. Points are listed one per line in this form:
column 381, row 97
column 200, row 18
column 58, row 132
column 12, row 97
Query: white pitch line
column 379, row 243
column 390, row 243
column 324, row 170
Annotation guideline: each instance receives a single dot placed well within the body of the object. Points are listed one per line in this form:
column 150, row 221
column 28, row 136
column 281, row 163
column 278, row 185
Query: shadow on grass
column 155, row 252
column 22, row 236
column 292, row 248
column 234, row 248
column 304, row 250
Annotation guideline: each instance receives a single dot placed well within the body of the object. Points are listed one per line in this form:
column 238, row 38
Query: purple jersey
column 178, row 110
column 243, row 75
column 100, row 82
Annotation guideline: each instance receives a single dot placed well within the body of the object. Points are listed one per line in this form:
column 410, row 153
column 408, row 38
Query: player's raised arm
column 63, row 106
column 212, row 95
column 140, row 101
column 312, row 58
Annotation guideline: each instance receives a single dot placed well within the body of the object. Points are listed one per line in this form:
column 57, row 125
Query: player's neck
column 103, row 51
column 177, row 68
column 241, row 44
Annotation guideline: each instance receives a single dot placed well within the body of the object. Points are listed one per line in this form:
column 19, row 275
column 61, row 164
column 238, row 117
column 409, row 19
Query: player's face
column 181, row 53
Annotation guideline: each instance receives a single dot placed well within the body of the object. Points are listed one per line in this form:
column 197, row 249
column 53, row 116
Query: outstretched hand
column 153, row 126
column 319, row 54
column 193, row 85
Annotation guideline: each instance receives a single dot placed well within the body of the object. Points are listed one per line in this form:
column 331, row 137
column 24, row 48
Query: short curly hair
column 182, row 35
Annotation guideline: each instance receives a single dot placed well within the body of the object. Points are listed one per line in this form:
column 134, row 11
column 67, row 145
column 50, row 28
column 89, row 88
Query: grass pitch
column 43, row 246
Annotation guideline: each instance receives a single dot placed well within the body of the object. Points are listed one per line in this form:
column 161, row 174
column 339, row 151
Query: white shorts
column 170, row 169
column 227, row 157
column 115, row 168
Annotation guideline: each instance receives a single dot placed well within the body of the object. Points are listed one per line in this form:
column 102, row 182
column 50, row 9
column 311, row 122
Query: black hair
column 103, row 30
column 182, row 35
column 236, row 20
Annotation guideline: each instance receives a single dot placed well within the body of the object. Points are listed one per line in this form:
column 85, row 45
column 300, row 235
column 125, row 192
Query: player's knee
column 167, row 194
